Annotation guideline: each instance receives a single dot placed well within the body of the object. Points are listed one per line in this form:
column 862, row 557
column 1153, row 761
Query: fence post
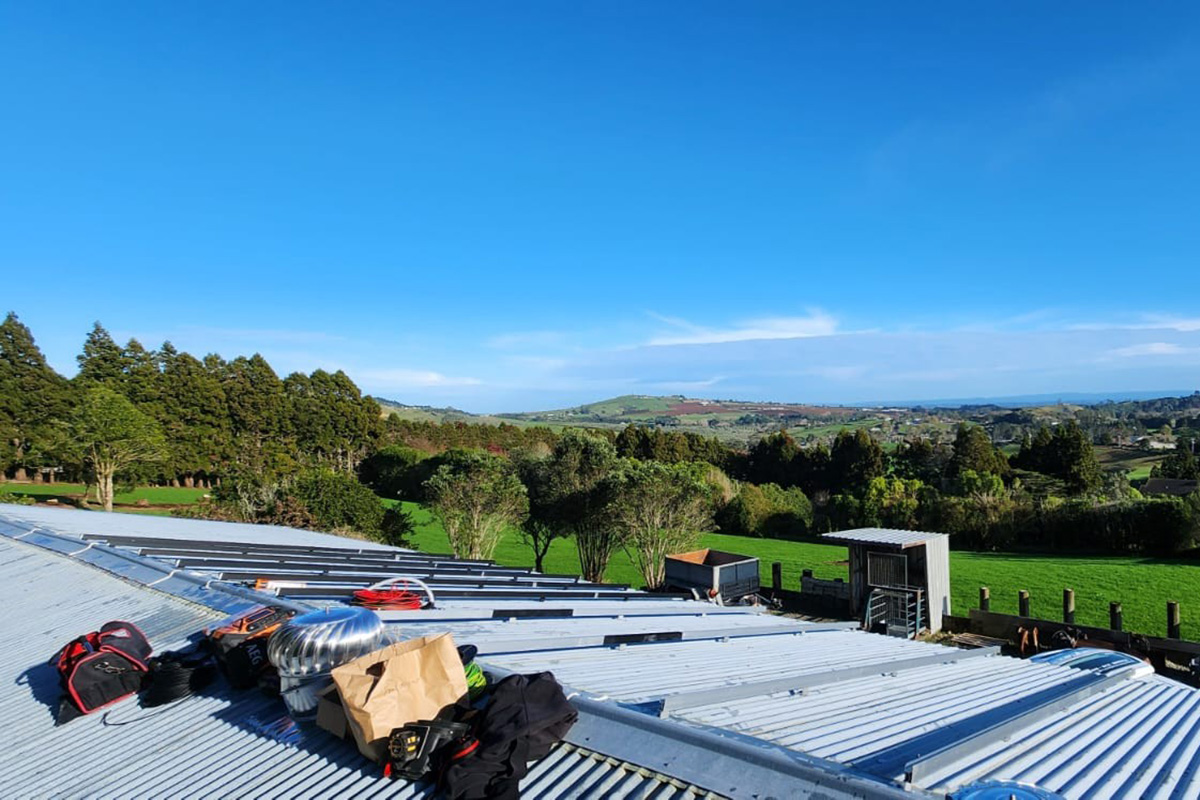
column 985, row 599
column 1114, row 616
column 1173, row 620
column 1023, row 603
column 1069, row 606
column 777, row 576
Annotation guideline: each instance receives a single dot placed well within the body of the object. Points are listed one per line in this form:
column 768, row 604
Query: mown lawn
column 154, row 495
column 1142, row 585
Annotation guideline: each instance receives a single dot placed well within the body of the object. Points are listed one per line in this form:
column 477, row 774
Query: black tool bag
column 100, row 668
column 241, row 646
column 526, row 715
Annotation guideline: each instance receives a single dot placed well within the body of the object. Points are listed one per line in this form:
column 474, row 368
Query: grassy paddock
column 154, row 495
column 1142, row 585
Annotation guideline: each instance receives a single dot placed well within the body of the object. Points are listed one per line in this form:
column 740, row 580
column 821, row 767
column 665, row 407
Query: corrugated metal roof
column 205, row 746
column 702, row 692
column 73, row 523
column 888, row 536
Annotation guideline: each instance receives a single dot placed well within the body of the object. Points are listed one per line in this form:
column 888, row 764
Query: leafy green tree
column 920, row 459
column 770, row 460
column 391, row 472
column 769, row 511
column 854, row 461
column 477, row 496
column 1179, row 463
column 1066, row 454
column 337, row 501
column 662, row 509
column 396, row 528
column 112, row 437
column 576, row 498
column 973, row 450
column 892, row 503
column 32, row 397
column 542, row 526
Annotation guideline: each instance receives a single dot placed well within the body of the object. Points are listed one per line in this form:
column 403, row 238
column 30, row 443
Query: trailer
column 713, row 573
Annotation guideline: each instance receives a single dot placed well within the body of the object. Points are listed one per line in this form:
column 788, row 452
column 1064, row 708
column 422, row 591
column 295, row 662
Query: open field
column 154, row 495
column 1142, row 585
column 1135, row 463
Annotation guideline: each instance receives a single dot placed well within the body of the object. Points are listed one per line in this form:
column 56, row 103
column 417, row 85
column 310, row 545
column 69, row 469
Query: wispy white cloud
column 817, row 323
column 254, row 338
column 515, row 339
column 1143, row 322
column 1148, row 349
column 684, row 386
column 413, row 379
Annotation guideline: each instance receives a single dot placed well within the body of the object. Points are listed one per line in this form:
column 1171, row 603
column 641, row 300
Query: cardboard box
column 331, row 716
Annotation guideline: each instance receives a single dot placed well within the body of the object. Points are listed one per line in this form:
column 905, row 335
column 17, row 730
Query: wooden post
column 1114, row 616
column 1173, row 620
column 1023, row 603
column 777, row 576
column 985, row 599
column 1069, row 606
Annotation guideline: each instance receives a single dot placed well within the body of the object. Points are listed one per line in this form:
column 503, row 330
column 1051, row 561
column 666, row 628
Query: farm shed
column 677, row 699
column 899, row 580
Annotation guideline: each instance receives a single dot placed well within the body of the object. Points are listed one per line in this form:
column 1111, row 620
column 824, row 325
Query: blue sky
column 509, row 206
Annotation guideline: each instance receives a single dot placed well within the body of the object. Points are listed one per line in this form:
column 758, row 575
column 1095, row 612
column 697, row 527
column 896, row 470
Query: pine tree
column 101, row 361
column 32, row 396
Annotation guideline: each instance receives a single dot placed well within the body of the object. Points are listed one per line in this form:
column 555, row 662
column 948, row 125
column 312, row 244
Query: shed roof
column 676, row 697
column 883, row 536
column 1177, row 487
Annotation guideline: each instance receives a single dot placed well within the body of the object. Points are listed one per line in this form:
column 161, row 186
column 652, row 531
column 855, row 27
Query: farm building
column 899, row 580
column 676, row 698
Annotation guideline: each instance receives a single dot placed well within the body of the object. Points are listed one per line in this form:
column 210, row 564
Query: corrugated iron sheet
column 867, row 712
column 890, row 536
column 74, row 523
column 205, row 746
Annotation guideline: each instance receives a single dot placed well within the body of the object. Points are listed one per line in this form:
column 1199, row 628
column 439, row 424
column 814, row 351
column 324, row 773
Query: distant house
column 1173, row 487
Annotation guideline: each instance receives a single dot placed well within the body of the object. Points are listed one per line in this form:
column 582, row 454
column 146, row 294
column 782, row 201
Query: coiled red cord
column 389, row 599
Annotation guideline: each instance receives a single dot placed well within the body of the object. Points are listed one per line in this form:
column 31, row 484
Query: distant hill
column 742, row 422
column 438, row 415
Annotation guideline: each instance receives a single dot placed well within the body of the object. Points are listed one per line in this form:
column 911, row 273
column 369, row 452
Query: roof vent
column 307, row 647
column 1003, row 790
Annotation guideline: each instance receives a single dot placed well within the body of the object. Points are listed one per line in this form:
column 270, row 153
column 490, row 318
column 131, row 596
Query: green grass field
column 154, row 495
column 1135, row 463
column 1142, row 585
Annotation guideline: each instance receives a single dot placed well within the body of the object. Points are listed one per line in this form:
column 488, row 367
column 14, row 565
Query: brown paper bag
column 402, row 683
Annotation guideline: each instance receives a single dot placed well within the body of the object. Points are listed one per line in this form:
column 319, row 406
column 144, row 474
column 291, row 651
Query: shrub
column 337, row 500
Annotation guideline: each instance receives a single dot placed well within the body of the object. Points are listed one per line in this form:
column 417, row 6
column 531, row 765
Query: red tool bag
column 100, row 668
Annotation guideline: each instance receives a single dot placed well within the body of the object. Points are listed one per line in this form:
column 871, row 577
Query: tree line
column 168, row 418
column 313, row 451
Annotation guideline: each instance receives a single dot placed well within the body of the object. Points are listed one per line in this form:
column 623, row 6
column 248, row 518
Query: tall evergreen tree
column 195, row 419
column 32, row 396
column 258, row 414
column 973, row 450
column 855, row 460
column 102, row 360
